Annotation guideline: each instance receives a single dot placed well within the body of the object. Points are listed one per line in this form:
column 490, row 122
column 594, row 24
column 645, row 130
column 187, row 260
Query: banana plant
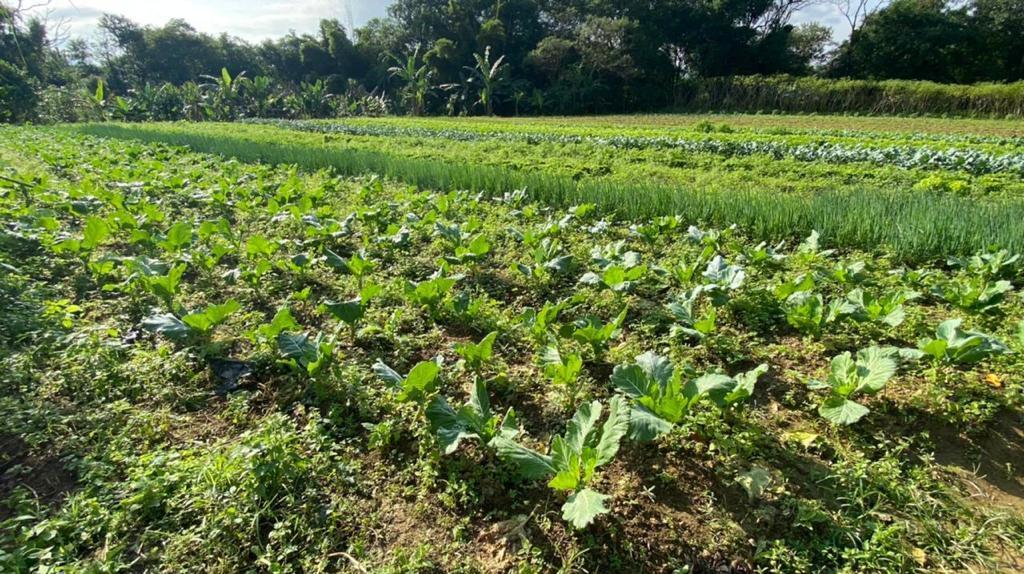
column 491, row 77
column 660, row 397
column 850, row 377
column 574, row 458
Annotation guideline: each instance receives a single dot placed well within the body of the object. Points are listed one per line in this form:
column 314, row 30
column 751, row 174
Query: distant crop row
column 968, row 161
column 914, row 225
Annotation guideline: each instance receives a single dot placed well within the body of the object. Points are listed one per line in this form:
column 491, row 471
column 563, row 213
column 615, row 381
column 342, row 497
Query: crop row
column 962, row 160
column 914, row 225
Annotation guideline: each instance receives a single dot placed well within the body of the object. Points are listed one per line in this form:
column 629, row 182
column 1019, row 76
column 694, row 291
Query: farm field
column 614, row 344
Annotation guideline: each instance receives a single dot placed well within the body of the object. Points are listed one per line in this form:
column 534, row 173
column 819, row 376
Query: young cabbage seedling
column 574, row 457
column 476, row 355
column 351, row 312
column 850, row 378
column 956, row 346
column 474, row 420
column 420, row 383
column 660, row 398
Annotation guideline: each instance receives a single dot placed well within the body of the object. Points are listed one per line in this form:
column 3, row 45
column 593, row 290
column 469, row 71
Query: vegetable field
column 664, row 344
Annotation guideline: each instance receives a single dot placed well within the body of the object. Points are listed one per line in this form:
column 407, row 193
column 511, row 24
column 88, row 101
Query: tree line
column 493, row 56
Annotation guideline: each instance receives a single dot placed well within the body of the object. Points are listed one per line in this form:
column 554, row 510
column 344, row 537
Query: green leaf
column 529, row 463
column 167, row 325
column 388, row 374
column 613, row 430
column 295, row 345
column 841, row 411
column 581, row 426
column 420, row 382
column 874, row 369
column 96, row 232
column 349, row 312
column 212, row 316
column 178, row 236
column 645, row 426
column 581, row 508
column 630, row 379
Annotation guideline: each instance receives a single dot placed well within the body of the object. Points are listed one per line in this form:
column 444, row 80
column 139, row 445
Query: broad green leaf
column 529, row 463
column 420, row 382
column 96, row 232
column 581, row 508
column 842, row 411
column 613, row 430
column 645, row 426
column 295, row 345
column 167, row 325
column 874, row 369
column 630, row 379
column 388, row 374
column 350, row 311
column 581, row 426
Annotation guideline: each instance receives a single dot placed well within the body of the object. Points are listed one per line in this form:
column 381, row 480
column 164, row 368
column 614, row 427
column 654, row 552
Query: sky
column 256, row 20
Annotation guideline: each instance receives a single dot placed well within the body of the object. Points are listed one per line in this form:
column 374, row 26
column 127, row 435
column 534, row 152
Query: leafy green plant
column 998, row 264
column 474, row 420
column 475, row 251
column 547, row 257
column 616, row 278
column 353, row 311
column 159, row 279
column 688, row 322
column 886, row 309
column 563, row 369
column 807, row 312
column 850, row 378
column 958, row 346
column 358, row 265
column 476, row 355
column 541, row 324
column 974, row 294
column 574, row 457
column 310, row 356
column 420, row 383
column 430, row 293
column 660, row 397
column 592, row 332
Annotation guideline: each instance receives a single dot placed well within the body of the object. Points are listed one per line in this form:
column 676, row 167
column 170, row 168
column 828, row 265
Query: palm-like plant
column 491, row 77
column 416, row 78
column 225, row 92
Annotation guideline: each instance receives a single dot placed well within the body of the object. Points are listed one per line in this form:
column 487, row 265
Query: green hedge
column 828, row 96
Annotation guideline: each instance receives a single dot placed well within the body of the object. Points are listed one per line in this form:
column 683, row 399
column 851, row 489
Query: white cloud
column 251, row 20
column 256, row 20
